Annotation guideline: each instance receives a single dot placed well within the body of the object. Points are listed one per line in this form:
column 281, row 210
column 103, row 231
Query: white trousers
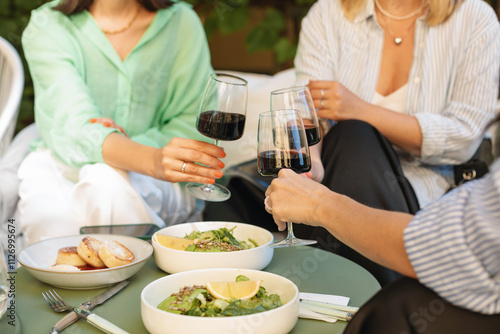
column 57, row 200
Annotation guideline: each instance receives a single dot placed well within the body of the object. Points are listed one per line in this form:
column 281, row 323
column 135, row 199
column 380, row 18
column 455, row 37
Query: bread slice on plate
column 69, row 256
column 88, row 250
column 114, row 254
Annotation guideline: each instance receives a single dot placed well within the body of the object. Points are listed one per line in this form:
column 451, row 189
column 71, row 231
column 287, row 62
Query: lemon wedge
column 173, row 242
column 233, row 290
column 219, row 290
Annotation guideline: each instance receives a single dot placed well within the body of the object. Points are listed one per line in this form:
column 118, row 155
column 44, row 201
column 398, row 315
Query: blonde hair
column 439, row 10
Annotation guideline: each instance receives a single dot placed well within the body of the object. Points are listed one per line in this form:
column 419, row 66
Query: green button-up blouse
column 154, row 94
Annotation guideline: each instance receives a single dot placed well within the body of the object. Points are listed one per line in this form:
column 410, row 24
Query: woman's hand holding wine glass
column 282, row 144
column 190, row 160
column 300, row 99
column 222, row 117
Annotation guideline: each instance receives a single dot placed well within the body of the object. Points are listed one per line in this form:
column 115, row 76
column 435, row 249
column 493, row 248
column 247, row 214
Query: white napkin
column 305, row 313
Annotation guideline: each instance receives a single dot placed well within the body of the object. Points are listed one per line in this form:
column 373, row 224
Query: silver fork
column 57, row 304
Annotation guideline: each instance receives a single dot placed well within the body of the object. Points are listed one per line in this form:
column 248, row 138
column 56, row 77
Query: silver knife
column 73, row 316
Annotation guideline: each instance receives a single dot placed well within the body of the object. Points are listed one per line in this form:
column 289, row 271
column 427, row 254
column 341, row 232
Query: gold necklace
column 397, row 40
column 401, row 18
column 112, row 32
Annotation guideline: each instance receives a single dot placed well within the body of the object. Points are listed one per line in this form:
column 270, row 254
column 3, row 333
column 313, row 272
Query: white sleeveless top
column 394, row 101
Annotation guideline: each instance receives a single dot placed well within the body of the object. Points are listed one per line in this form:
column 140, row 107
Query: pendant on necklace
column 398, row 40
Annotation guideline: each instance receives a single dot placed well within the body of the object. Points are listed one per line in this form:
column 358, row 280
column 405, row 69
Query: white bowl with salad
column 195, row 301
column 204, row 245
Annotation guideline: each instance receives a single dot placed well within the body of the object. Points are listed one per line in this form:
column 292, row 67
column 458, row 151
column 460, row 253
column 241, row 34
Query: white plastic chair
column 11, row 90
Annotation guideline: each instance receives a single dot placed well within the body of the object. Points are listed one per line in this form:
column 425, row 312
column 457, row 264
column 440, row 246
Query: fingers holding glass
column 281, row 225
column 282, row 143
column 267, row 206
column 321, row 93
column 188, row 160
column 221, row 117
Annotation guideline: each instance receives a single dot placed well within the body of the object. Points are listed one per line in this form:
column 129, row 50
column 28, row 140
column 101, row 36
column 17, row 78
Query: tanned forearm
column 121, row 152
column 376, row 234
column 400, row 129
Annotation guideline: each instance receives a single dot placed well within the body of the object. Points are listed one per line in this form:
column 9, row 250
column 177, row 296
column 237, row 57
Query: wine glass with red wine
column 221, row 117
column 299, row 98
column 282, row 143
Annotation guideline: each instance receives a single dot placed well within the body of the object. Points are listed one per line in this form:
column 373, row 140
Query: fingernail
column 221, row 164
column 218, row 174
column 92, row 120
column 222, row 154
column 106, row 124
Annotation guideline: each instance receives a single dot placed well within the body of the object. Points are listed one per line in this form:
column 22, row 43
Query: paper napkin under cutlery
column 306, row 313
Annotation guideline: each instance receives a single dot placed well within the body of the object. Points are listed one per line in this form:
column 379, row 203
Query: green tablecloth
column 313, row 270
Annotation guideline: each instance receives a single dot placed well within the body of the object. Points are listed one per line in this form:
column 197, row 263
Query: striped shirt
column 452, row 85
column 454, row 244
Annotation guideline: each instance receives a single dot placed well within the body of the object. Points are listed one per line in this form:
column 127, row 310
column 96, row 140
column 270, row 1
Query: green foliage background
column 270, row 34
column 223, row 16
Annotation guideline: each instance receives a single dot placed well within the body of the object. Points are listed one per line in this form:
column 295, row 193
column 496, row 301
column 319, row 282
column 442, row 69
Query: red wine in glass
column 221, row 116
column 221, row 125
column 313, row 134
column 282, row 144
column 271, row 162
column 299, row 98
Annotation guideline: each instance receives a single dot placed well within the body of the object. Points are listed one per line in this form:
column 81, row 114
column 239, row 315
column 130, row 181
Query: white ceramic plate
column 38, row 257
column 277, row 321
column 174, row 261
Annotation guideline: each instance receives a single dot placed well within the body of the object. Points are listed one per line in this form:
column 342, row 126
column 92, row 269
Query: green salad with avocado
column 197, row 301
column 221, row 240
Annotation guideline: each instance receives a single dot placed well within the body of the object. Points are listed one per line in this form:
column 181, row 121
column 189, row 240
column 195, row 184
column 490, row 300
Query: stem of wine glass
column 209, row 187
column 289, row 227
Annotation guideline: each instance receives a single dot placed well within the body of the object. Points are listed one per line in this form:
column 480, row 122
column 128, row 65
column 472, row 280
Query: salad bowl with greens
column 185, row 303
column 204, row 245
column 221, row 299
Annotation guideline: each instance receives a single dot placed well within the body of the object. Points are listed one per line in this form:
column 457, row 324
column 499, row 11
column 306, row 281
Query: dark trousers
column 406, row 306
column 361, row 164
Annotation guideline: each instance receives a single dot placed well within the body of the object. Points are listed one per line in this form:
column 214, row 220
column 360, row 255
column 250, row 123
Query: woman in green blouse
column 118, row 84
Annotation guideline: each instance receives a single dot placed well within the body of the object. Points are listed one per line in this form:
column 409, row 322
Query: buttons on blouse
column 416, row 80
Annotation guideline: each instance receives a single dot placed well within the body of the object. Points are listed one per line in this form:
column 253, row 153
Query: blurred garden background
column 244, row 35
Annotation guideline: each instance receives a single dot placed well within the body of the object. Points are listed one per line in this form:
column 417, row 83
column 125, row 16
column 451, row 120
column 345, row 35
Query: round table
column 312, row 269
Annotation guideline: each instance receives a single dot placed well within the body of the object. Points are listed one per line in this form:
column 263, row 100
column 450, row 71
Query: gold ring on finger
column 184, row 167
